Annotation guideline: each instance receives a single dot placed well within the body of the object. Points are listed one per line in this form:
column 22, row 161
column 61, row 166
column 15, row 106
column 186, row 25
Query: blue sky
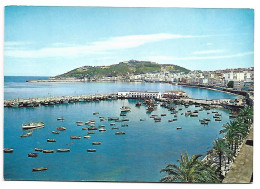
column 47, row 41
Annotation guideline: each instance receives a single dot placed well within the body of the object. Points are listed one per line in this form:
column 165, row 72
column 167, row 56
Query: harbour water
column 139, row 155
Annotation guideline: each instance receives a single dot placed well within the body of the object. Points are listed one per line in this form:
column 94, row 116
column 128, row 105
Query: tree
column 190, row 170
column 230, row 84
column 221, row 148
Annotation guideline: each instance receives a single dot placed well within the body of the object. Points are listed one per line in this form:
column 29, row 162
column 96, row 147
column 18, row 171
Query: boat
column 157, row 120
column 124, row 125
column 178, row 128
column 75, row 137
column 120, row 133
column 204, row 123
column 48, row 151
column 8, row 150
column 163, row 114
column 27, row 134
column 40, row 169
column 51, row 140
column 150, row 108
column 33, row 125
column 38, row 149
column 95, row 113
column 112, row 118
column 122, row 114
column 60, row 118
column 115, row 128
column 193, row 115
column 87, row 136
column 174, row 119
column 33, row 155
column 101, row 126
column 80, row 124
column 91, row 150
column 214, row 112
column 61, row 128
column 101, row 130
column 207, row 119
column 112, row 124
column 79, row 121
column 175, row 115
column 93, row 128
column 218, row 114
column 119, row 120
column 217, row 119
column 102, row 119
column 125, row 109
column 170, row 120
column 125, row 119
column 63, row 150
column 90, row 133
column 55, row 132
column 139, row 103
column 142, row 119
column 65, row 101
column 96, row 143
column 84, row 128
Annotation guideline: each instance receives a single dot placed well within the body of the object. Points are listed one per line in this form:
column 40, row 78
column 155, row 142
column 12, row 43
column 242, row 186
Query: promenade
column 242, row 169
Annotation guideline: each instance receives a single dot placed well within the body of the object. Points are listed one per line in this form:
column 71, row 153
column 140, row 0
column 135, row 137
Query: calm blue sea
column 139, row 155
column 17, row 87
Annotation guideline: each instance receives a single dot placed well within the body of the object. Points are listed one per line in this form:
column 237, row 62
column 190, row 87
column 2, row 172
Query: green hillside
column 122, row 69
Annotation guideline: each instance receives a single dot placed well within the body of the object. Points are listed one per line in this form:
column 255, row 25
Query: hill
column 122, row 69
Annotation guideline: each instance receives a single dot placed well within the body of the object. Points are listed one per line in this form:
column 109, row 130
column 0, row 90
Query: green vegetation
column 226, row 148
column 122, row 69
column 230, row 84
column 191, row 170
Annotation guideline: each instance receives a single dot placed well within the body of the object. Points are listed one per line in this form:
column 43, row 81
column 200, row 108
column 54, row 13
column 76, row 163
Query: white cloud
column 171, row 58
column 208, row 52
column 98, row 47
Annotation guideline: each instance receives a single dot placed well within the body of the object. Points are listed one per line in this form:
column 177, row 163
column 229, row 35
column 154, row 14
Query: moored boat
column 178, row 128
column 63, row 150
column 27, row 134
column 96, row 143
column 120, row 133
column 91, row 150
column 60, row 118
column 102, row 130
column 38, row 149
column 75, row 137
column 61, row 128
column 33, row 155
column 33, row 125
column 40, row 169
column 8, row 150
column 48, row 151
column 55, row 132
column 87, row 136
column 125, row 109
column 51, row 140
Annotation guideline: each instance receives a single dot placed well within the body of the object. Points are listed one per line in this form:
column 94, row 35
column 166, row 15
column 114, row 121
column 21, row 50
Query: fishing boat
column 96, row 143
column 8, row 150
column 174, row 119
column 178, row 128
column 115, row 128
column 93, row 128
column 120, row 133
column 218, row 119
column 51, row 140
column 33, row 125
column 61, row 128
column 40, row 169
column 124, row 125
column 80, row 124
column 33, row 155
column 55, row 132
column 91, row 150
column 193, row 115
column 163, row 114
column 142, row 119
column 87, row 136
column 122, row 114
column 79, row 121
column 75, row 137
column 90, row 133
column 27, row 134
column 125, row 119
column 38, row 149
column 101, row 126
column 139, row 103
column 112, row 118
column 95, row 113
column 84, row 128
column 150, row 108
column 48, row 151
column 63, row 150
column 125, row 109
column 119, row 120
column 170, row 120
column 112, row 124
column 60, row 118
column 102, row 130
column 175, row 115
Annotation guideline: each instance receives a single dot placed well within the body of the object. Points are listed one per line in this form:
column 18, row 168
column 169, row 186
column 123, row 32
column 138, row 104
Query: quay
column 166, row 97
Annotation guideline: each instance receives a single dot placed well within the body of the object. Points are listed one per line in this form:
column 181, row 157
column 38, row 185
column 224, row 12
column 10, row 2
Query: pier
column 49, row 101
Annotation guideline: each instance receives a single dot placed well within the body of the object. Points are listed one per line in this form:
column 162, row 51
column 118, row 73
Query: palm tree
column 190, row 170
column 247, row 114
column 221, row 149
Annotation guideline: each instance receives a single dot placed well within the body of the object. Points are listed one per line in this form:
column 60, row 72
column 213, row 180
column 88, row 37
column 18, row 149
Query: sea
column 138, row 156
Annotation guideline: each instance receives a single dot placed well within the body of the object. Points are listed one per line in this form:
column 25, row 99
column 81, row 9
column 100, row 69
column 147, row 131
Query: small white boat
column 33, row 125
column 87, row 136
column 63, row 150
column 40, row 169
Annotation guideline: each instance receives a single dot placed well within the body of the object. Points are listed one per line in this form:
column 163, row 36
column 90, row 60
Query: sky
column 47, row 41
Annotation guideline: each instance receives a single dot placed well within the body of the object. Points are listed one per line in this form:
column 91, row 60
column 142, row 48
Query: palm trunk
column 220, row 163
